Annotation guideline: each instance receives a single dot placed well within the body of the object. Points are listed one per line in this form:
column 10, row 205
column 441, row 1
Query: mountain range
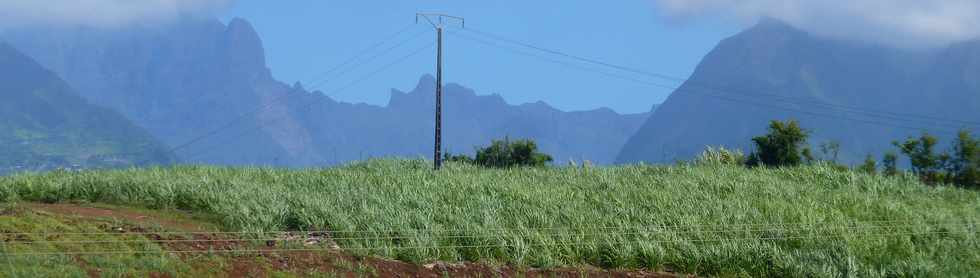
column 46, row 125
column 859, row 95
column 203, row 88
column 405, row 126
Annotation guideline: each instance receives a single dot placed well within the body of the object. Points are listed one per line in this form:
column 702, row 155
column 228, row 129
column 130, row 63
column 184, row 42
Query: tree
column 461, row 158
column 959, row 166
column 507, row 153
column 830, row 150
column 784, row 145
column 964, row 164
column 925, row 162
column 869, row 166
column 890, row 164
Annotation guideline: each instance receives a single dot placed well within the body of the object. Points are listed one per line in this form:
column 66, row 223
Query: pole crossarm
column 440, row 19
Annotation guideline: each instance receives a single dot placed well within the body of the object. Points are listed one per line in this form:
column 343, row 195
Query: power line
column 575, row 57
column 948, row 128
column 326, row 96
column 360, row 54
column 517, row 233
column 325, row 80
column 831, row 116
column 326, row 74
column 409, row 247
column 274, row 101
column 660, row 226
column 267, row 106
column 565, row 64
column 700, row 84
column 780, row 98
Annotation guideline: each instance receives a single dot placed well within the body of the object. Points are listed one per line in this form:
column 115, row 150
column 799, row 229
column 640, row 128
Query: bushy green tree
column 889, row 164
column 960, row 166
column 784, row 145
column 926, row 163
column 964, row 164
column 506, row 153
column 869, row 166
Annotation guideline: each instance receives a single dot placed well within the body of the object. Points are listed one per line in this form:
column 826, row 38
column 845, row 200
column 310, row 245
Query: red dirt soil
column 305, row 262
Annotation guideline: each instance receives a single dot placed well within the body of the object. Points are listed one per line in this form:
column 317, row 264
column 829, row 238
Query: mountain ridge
column 47, row 126
column 773, row 71
column 193, row 77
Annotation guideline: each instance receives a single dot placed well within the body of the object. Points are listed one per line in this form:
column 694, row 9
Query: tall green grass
column 707, row 219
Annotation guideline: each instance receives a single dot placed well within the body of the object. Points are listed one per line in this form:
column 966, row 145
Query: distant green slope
column 45, row 125
column 861, row 96
column 709, row 220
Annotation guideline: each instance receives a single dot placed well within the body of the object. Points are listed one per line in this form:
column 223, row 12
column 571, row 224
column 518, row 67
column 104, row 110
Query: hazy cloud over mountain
column 903, row 23
column 100, row 13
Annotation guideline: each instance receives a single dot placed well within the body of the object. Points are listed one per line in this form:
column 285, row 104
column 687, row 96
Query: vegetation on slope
column 705, row 218
column 45, row 125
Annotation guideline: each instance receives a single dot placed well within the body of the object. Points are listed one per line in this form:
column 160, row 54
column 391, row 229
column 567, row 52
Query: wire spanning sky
column 304, row 38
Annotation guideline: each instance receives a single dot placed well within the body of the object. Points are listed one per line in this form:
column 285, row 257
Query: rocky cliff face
column 405, row 126
column 862, row 96
column 183, row 81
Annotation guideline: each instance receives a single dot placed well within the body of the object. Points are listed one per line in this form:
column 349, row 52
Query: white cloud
column 903, row 23
column 101, row 13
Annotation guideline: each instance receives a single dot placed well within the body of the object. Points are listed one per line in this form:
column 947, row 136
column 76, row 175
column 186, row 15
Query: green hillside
column 45, row 125
column 861, row 96
column 813, row 221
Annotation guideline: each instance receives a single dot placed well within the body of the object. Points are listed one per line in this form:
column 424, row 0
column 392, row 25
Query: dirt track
column 190, row 240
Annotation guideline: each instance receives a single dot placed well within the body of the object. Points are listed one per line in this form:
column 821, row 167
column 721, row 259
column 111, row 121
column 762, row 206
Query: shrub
column 925, row 162
column 506, row 153
column 869, row 166
column 964, row 164
column 720, row 156
column 961, row 166
column 784, row 145
column 889, row 164
column 460, row 158
column 830, row 150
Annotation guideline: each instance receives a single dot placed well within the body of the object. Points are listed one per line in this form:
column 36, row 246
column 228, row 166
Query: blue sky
column 304, row 38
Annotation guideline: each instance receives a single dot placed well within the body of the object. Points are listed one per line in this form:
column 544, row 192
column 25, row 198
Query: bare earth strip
column 191, row 241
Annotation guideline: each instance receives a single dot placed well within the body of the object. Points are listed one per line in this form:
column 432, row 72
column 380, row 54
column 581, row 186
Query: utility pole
column 439, row 25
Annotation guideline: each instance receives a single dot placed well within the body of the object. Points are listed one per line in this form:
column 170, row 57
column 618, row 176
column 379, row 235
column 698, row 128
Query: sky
column 306, row 38
column 910, row 24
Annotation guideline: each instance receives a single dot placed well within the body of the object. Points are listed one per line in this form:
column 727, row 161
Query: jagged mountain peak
column 190, row 78
column 424, row 92
column 769, row 34
column 539, row 105
column 240, row 24
column 244, row 45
